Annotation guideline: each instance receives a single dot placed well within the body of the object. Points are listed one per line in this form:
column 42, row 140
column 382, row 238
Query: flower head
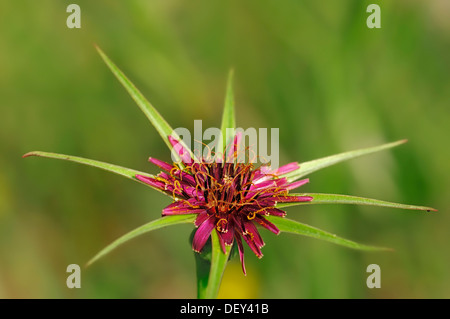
column 229, row 197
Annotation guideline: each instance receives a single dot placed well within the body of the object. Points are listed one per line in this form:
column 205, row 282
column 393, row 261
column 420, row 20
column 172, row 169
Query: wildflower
column 228, row 197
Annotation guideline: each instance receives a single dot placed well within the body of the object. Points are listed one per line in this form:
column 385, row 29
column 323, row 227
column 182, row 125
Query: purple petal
column 275, row 212
column 252, row 245
column 297, row 184
column 262, row 174
column 268, row 201
column 180, row 208
column 266, row 224
column 182, row 152
column 202, row 234
column 257, row 174
column 228, row 236
column 293, row 199
column 165, row 166
column 250, row 237
column 241, row 252
column 251, row 194
column 281, row 182
column 262, row 178
column 263, row 184
column 193, row 192
column 174, row 191
column 222, row 242
column 201, row 218
column 185, row 177
column 287, row 168
column 254, row 234
column 266, row 170
column 151, row 181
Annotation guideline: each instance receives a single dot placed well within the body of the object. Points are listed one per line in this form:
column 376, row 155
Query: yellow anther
column 177, row 185
column 173, row 170
column 251, row 215
column 220, row 226
column 160, row 179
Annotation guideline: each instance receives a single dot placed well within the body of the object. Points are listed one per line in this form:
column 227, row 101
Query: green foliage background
column 311, row 68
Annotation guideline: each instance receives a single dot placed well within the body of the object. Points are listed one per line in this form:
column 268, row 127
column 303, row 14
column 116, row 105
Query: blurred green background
column 311, row 68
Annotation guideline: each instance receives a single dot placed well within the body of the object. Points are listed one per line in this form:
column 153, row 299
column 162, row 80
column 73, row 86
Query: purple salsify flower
column 228, row 197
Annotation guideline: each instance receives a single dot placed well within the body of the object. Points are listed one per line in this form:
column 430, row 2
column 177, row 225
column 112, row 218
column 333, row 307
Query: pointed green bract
column 155, row 224
column 347, row 199
column 228, row 116
column 292, row 226
column 152, row 114
column 116, row 169
column 315, row 165
column 163, row 128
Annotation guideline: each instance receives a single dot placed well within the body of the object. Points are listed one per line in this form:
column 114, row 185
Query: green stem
column 218, row 264
column 203, row 265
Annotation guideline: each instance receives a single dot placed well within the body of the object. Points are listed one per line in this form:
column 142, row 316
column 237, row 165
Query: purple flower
column 228, row 197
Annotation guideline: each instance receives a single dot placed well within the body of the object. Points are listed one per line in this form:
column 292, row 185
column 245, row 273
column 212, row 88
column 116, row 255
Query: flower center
column 225, row 186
